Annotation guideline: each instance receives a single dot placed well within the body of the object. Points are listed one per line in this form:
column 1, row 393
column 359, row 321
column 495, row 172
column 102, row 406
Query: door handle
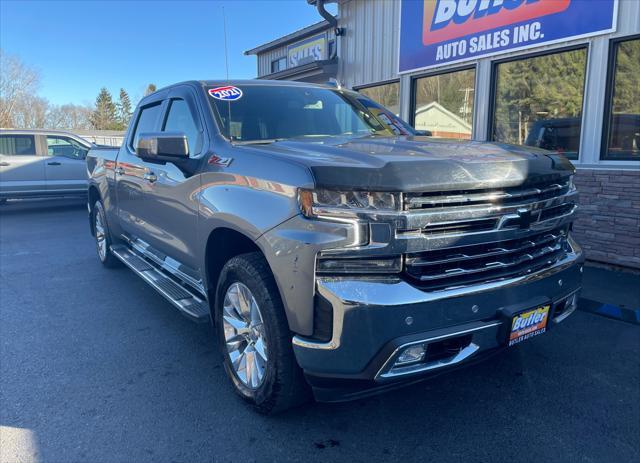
column 119, row 171
column 53, row 163
column 150, row 177
column 4, row 164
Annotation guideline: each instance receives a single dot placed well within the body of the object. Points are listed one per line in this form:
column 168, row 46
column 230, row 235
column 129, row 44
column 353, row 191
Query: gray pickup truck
column 331, row 254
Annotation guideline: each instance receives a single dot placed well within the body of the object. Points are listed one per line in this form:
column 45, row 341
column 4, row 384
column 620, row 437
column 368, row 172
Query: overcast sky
column 80, row 46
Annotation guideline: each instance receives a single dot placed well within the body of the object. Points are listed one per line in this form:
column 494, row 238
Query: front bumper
column 374, row 318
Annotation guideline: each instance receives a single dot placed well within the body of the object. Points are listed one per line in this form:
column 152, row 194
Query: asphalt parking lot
column 94, row 366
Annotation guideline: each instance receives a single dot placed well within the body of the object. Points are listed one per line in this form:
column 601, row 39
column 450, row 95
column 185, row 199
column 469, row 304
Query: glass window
column 278, row 65
column 180, row 119
column 65, row 146
column 623, row 138
column 444, row 104
column 147, row 122
column 538, row 101
column 386, row 117
column 11, row 145
column 275, row 112
column 388, row 95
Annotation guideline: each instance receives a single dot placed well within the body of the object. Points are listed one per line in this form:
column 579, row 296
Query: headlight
column 315, row 203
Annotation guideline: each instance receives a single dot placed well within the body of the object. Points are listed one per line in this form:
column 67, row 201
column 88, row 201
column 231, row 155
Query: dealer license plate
column 528, row 324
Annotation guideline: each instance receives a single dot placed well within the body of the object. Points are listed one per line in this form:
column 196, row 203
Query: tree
column 18, row 83
column 69, row 117
column 124, row 109
column 104, row 116
column 150, row 89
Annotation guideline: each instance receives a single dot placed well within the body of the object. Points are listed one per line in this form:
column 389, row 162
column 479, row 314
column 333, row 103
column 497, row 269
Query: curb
column 611, row 311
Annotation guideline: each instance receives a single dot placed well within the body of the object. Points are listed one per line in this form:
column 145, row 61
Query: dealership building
column 563, row 75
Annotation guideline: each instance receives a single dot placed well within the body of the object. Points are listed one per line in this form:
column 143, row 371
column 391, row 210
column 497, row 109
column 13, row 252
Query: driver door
column 65, row 167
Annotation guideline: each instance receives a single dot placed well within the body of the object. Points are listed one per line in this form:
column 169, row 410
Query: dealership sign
column 437, row 32
column 307, row 51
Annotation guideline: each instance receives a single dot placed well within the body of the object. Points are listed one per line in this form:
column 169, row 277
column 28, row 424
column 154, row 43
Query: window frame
column 194, row 117
column 34, row 138
column 277, row 60
column 162, row 103
column 413, row 89
column 378, row 84
column 612, row 56
column 493, row 86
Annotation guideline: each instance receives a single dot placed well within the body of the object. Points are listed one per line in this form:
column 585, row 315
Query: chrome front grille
column 463, row 265
column 463, row 212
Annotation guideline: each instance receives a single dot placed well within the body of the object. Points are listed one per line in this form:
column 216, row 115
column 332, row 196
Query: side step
column 194, row 307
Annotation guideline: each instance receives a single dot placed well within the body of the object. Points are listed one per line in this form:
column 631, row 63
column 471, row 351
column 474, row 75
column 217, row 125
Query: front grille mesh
column 469, row 264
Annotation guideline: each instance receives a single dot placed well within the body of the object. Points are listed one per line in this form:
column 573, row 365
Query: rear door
column 65, row 166
column 132, row 174
column 171, row 199
column 21, row 169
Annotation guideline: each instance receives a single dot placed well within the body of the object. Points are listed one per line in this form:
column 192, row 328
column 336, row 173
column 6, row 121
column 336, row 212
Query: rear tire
column 257, row 336
column 103, row 237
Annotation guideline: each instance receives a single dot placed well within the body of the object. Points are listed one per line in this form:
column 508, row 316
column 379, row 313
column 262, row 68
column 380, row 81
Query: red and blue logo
column 228, row 93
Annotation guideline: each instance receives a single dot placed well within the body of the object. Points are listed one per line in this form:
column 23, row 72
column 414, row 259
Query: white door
column 21, row 170
column 65, row 166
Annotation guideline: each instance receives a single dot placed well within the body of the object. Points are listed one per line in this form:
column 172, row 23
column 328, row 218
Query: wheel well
column 222, row 245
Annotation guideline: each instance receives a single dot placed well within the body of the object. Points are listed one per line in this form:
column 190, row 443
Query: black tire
column 283, row 385
column 107, row 258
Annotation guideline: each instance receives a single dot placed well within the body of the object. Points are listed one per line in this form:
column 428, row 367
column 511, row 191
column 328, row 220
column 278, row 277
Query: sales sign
column 307, row 51
column 437, row 32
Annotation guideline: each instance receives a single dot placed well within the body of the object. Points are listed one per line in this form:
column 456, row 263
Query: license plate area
column 528, row 324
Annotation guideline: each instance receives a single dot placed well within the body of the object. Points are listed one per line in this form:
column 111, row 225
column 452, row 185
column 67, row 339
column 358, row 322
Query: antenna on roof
column 226, row 65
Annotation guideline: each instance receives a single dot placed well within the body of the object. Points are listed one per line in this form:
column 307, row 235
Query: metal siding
column 369, row 47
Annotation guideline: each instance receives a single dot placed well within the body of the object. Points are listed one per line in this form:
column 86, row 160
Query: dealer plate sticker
column 228, row 93
column 528, row 324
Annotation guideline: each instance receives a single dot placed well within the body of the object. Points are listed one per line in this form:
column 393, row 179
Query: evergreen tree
column 150, row 89
column 124, row 109
column 104, row 116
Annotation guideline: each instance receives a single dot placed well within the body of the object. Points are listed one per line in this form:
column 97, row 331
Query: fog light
column 411, row 354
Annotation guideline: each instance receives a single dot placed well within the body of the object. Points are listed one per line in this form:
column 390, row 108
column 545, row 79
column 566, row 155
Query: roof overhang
column 290, row 38
column 315, row 70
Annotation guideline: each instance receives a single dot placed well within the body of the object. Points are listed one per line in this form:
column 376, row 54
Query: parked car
column 38, row 163
column 331, row 254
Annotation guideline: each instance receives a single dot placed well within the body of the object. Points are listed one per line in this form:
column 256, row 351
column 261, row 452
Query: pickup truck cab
column 331, row 254
column 39, row 163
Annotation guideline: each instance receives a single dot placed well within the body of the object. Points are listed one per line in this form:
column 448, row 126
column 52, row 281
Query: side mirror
column 163, row 147
column 424, row 133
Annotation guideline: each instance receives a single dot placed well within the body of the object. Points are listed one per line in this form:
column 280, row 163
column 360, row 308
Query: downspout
column 331, row 20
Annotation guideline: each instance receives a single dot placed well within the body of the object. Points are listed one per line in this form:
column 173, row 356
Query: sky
column 80, row 46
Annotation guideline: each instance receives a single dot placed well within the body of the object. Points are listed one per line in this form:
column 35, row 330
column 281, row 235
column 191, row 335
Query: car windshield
column 263, row 113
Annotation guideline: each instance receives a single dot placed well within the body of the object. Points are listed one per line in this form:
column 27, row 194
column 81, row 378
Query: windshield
column 273, row 112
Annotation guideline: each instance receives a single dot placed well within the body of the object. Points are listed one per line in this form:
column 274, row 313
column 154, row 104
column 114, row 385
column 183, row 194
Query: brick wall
column 608, row 223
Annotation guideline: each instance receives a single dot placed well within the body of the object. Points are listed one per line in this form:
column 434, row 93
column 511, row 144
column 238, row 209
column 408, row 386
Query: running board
column 194, row 307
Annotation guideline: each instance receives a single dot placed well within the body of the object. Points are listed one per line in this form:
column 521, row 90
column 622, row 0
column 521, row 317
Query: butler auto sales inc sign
column 437, row 32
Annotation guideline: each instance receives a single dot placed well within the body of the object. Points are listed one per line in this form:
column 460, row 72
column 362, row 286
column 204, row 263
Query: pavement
column 96, row 367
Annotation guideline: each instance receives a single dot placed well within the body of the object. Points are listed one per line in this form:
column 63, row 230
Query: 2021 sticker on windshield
column 228, row 93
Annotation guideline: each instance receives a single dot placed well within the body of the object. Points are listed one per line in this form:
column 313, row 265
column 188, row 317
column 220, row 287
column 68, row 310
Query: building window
column 331, row 48
column 622, row 123
column 538, row 101
column 278, row 65
column 444, row 104
column 388, row 95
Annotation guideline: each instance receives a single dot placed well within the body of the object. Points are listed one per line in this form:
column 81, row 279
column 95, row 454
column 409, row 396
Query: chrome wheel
column 244, row 335
column 101, row 238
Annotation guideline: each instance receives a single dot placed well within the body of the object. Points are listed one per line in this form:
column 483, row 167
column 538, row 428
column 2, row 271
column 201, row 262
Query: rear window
column 12, row 145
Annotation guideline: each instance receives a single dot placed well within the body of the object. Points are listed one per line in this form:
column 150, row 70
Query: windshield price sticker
column 228, row 93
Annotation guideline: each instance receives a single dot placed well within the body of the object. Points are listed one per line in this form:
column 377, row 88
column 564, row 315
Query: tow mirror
column 163, row 147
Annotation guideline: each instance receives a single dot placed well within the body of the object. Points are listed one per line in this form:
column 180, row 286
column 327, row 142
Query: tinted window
column 180, row 119
column 388, row 95
column 267, row 112
column 65, row 146
column 444, row 104
column 147, row 122
column 17, row 144
column 538, row 101
column 623, row 140
column 279, row 65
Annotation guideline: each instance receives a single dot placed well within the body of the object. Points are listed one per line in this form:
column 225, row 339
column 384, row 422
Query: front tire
column 103, row 237
column 254, row 337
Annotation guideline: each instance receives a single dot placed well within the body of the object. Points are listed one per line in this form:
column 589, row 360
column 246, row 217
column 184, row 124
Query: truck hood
column 377, row 163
